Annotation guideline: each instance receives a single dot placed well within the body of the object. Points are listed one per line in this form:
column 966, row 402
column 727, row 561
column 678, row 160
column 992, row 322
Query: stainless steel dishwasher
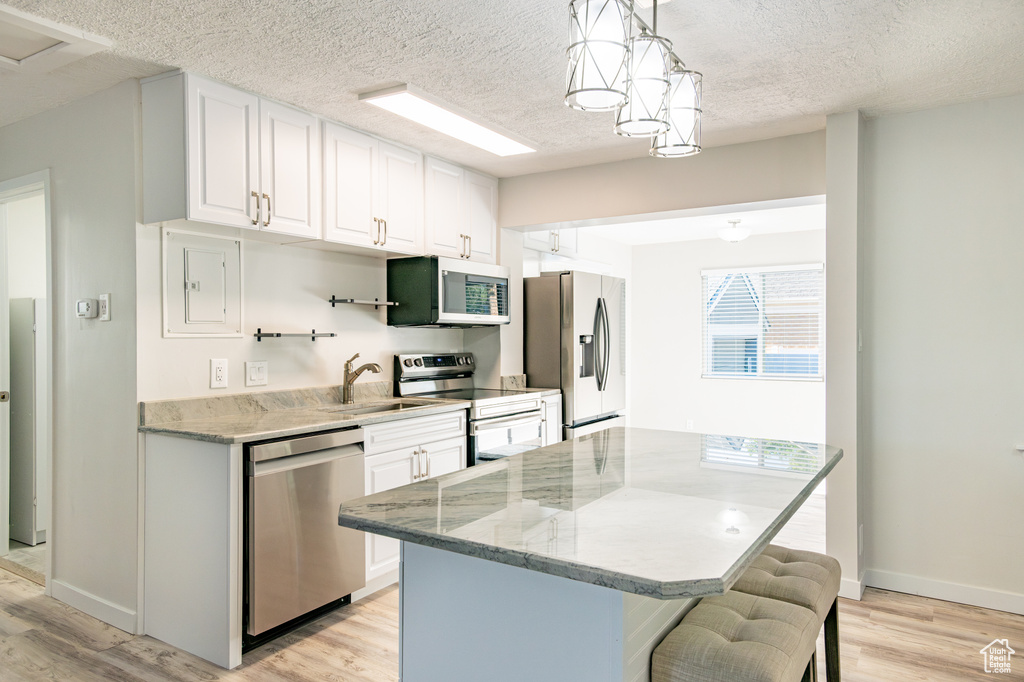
column 298, row 559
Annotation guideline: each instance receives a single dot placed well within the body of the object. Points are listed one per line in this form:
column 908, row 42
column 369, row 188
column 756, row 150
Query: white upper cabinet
column 373, row 192
column 481, row 211
column 445, row 235
column 289, row 170
column 214, row 154
column 223, row 154
column 561, row 242
column 461, row 212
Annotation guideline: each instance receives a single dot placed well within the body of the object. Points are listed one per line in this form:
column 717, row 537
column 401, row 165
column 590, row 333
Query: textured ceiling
column 771, row 67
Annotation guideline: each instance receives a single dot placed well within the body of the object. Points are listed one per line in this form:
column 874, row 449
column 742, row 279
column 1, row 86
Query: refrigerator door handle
column 598, row 360
column 606, row 360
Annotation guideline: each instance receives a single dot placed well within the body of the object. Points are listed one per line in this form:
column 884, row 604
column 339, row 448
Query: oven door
column 491, row 439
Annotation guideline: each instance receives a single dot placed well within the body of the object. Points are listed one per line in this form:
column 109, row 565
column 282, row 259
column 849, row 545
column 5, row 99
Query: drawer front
column 403, row 433
column 526, row 405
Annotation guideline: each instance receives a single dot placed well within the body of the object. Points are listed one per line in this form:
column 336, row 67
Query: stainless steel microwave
column 446, row 292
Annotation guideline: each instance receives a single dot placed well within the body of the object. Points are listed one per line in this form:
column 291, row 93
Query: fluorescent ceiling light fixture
column 422, row 109
column 734, row 233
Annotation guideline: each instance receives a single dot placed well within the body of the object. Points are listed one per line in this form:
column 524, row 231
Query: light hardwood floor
column 28, row 562
column 887, row 637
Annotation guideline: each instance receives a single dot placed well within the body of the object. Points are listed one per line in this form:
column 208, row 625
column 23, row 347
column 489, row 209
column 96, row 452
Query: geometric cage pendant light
column 598, row 47
column 638, row 77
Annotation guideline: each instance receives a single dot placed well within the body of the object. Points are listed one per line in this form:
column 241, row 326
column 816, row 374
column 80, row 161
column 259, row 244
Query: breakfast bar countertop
column 656, row 513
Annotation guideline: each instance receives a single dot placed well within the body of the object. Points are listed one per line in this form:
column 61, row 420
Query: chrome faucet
column 351, row 376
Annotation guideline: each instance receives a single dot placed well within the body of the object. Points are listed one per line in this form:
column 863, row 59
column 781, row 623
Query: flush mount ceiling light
column 638, row 76
column 428, row 111
column 33, row 45
column 733, row 233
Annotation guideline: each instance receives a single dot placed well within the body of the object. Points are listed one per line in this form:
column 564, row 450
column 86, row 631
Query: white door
column 223, row 154
column 5, row 387
column 383, row 472
column 401, row 199
column 289, row 171
column 350, row 185
column 444, row 457
column 24, row 365
column 552, row 415
column 482, row 217
column 445, row 235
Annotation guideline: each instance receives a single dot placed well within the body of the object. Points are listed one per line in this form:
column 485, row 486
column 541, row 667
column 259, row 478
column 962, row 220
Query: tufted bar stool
column 806, row 579
column 739, row 637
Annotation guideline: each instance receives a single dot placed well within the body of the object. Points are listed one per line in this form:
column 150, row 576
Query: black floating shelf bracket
column 376, row 303
column 312, row 335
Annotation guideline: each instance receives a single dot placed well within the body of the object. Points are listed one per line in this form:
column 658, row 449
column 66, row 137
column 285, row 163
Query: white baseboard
column 961, row 594
column 97, row 607
column 852, row 589
column 378, row 583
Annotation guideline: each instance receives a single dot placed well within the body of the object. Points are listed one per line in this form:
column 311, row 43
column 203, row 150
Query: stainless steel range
column 501, row 423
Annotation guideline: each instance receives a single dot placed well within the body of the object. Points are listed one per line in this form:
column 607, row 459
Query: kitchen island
column 572, row 561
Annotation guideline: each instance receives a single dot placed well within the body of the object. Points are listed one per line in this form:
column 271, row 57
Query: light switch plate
column 218, row 373
column 257, row 373
column 104, row 307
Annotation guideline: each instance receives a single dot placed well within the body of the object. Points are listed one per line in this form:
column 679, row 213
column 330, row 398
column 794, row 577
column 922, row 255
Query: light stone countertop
column 658, row 513
column 265, row 424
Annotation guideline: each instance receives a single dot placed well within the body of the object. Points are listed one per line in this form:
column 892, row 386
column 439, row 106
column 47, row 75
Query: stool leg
column 808, row 674
column 832, row 643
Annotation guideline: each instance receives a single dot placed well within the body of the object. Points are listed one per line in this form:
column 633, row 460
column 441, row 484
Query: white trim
column 852, row 589
column 97, row 607
column 767, row 268
column 984, row 597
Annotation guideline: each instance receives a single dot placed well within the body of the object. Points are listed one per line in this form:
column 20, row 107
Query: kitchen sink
column 385, row 407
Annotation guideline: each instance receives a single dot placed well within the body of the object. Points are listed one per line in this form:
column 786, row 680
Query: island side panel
column 193, row 587
column 646, row 622
column 465, row 618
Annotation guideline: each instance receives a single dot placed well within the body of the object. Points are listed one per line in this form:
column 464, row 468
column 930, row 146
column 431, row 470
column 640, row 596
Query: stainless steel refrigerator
column 575, row 330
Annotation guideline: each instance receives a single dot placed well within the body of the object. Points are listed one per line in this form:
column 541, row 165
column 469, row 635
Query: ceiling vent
column 33, row 45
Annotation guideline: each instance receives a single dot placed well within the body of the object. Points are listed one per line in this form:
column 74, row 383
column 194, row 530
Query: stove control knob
column 462, row 361
column 418, row 362
column 407, row 362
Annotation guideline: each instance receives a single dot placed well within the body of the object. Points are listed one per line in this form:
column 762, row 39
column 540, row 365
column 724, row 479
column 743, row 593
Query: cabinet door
column 289, row 170
column 482, row 217
column 552, row 414
column 400, row 198
column 538, row 240
column 383, row 472
column 350, row 184
column 566, row 242
column 223, row 154
column 444, row 457
column 443, row 205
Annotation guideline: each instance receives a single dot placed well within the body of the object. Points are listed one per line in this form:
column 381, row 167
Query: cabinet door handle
column 558, row 242
column 385, row 224
column 259, row 208
column 377, row 240
column 266, row 222
column 462, row 249
column 416, row 476
column 426, row 458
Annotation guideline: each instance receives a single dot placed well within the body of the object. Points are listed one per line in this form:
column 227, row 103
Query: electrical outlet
column 257, row 373
column 104, row 307
column 689, row 425
column 218, row 373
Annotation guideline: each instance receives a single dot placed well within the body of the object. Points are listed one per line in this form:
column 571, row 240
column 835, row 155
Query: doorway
column 25, row 371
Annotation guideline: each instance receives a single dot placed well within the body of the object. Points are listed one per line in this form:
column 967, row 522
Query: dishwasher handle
column 281, row 464
column 299, row 446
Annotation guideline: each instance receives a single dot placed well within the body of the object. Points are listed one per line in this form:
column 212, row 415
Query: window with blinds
column 764, row 323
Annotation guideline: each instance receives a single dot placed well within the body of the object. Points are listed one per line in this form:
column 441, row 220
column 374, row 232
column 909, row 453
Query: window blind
column 763, row 323
column 766, row 454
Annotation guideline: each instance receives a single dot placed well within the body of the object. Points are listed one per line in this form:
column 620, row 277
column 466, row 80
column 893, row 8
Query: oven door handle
column 517, row 420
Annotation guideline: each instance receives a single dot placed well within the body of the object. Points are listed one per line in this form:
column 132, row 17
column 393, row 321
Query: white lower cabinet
column 402, row 452
column 551, row 414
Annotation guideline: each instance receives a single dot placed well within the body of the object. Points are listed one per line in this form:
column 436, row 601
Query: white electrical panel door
column 223, row 154
column 202, row 289
column 205, row 286
column 289, row 171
